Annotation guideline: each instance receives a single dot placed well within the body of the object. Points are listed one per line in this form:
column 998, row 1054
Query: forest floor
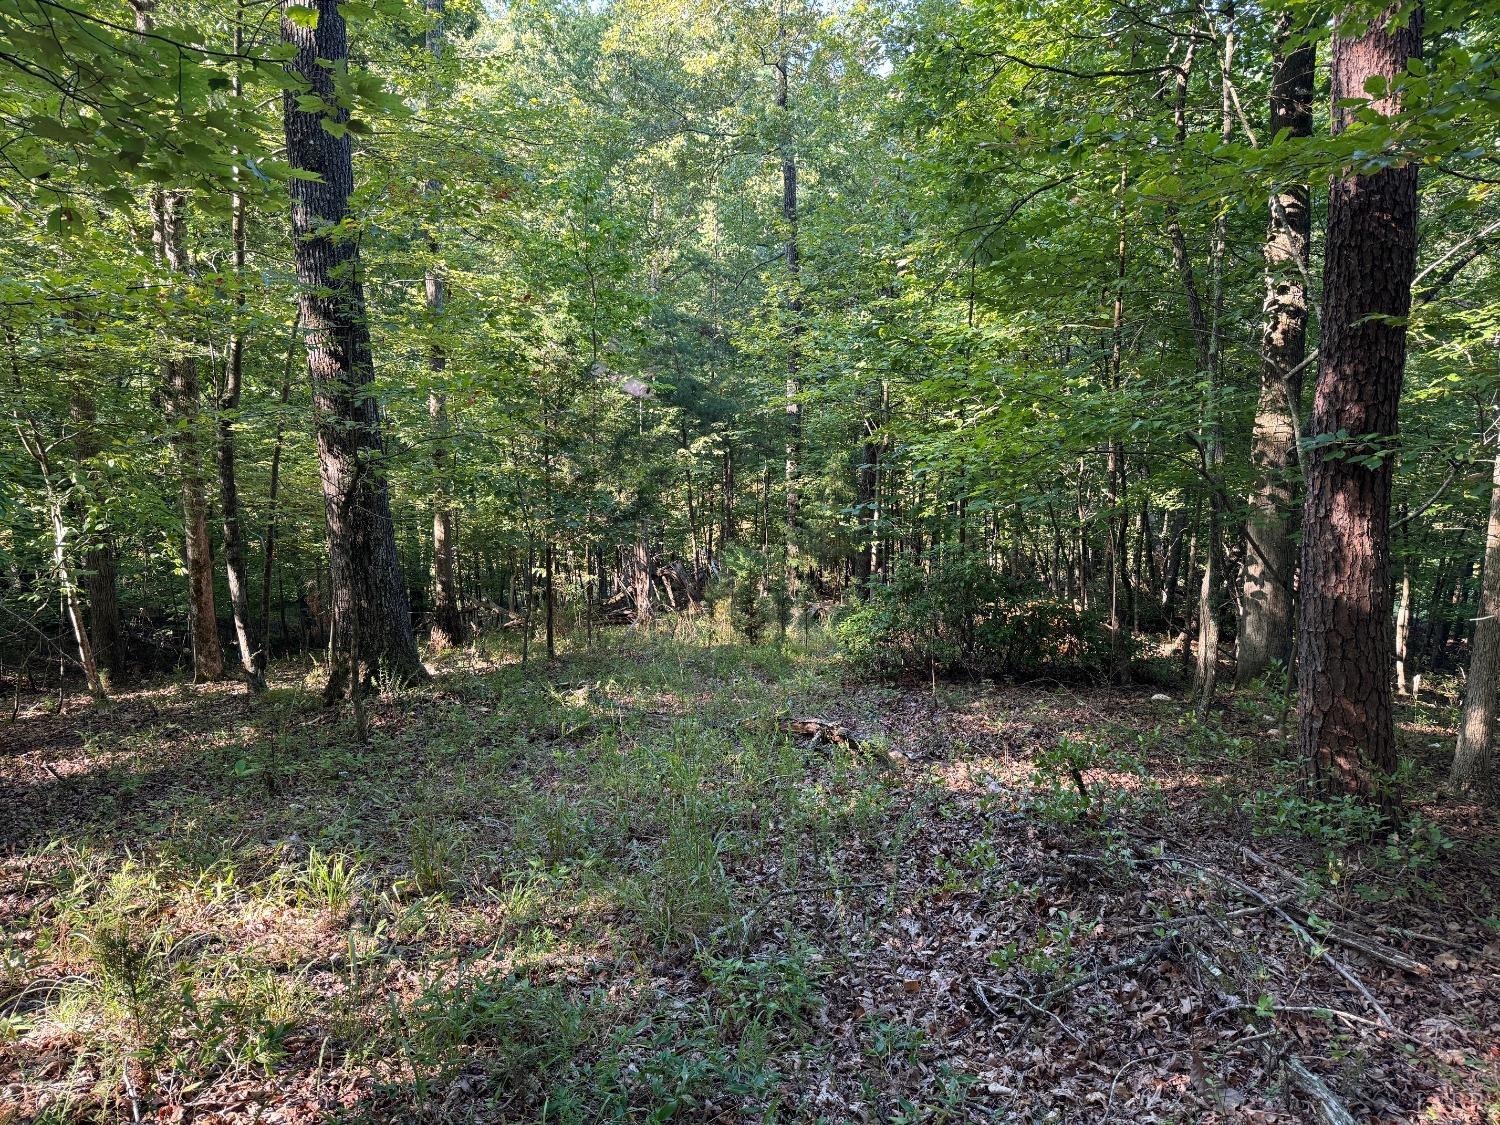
column 616, row 888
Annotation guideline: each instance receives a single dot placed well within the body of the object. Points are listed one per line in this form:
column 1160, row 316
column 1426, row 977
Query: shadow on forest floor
column 616, row 888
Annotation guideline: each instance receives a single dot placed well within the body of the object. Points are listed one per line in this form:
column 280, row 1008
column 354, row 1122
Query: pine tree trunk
column 1476, row 731
column 864, row 501
column 367, row 586
column 1265, row 626
column 1345, row 643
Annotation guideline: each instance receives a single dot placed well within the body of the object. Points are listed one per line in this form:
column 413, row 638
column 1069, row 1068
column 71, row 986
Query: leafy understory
column 626, row 887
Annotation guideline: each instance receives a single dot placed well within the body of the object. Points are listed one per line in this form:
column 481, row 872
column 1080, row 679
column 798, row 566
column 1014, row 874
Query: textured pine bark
column 1345, row 638
column 371, row 616
column 1265, row 625
column 1476, row 731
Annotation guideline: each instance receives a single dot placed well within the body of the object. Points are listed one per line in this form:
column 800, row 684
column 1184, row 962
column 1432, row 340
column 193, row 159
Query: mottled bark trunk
column 1476, row 730
column 1265, row 625
column 1344, row 652
column 369, row 596
column 1403, row 633
column 72, row 606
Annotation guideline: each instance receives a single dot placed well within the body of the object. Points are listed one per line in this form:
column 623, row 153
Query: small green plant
column 1063, row 794
column 749, row 613
column 436, row 851
column 519, row 1031
column 684, row 890
column 129, row 956
column 329, row 880
column 779, row 990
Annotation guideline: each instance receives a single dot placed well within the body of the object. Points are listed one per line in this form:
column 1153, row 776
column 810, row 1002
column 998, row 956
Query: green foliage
column 952, row 614
column 749, row 612
column 1062, row 792
column 779, row 990
column 519, row 1032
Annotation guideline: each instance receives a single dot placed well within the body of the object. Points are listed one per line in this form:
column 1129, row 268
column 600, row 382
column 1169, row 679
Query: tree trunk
column 1403, row 632
column 1265, row 626
column 268, row 556
column 180, row 402
column 99, row 567
column 1344, row 653
column 37, row 448
column 364, row 568
column 447, row 622
column 865, row 477
column 1476, row 731
column 794, row 310
column 252, row 653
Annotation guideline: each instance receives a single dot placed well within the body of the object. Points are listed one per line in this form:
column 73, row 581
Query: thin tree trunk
column 794, row 310
column 252, row 653
column 447, row 621
column 269, row 555
column 1344, row 656
column 1265, row 625
column 180, row 401
column 551, row 595
column 99, row 565
column 37, row 448
column 1476, row 730
column 366, row 573
column 1205, row 338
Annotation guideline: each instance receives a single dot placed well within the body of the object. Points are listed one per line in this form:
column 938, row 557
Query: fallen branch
column 1331, row 1109
column 1017, row 998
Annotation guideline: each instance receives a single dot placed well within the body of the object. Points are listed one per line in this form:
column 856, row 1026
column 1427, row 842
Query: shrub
column 952, row 614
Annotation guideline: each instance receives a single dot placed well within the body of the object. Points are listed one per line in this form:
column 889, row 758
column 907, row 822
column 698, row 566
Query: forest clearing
column 717, row 561
column 615, row 890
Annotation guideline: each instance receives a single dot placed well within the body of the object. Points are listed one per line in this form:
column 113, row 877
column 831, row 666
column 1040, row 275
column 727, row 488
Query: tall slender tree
column 181, row 399
column 1265, row 625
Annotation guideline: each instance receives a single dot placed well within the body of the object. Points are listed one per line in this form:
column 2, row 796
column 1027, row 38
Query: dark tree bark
column 1345, row 642
column 369, row 596
column 1265, row 626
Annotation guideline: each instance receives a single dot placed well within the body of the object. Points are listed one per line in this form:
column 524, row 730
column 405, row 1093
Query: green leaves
column 302, row 15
